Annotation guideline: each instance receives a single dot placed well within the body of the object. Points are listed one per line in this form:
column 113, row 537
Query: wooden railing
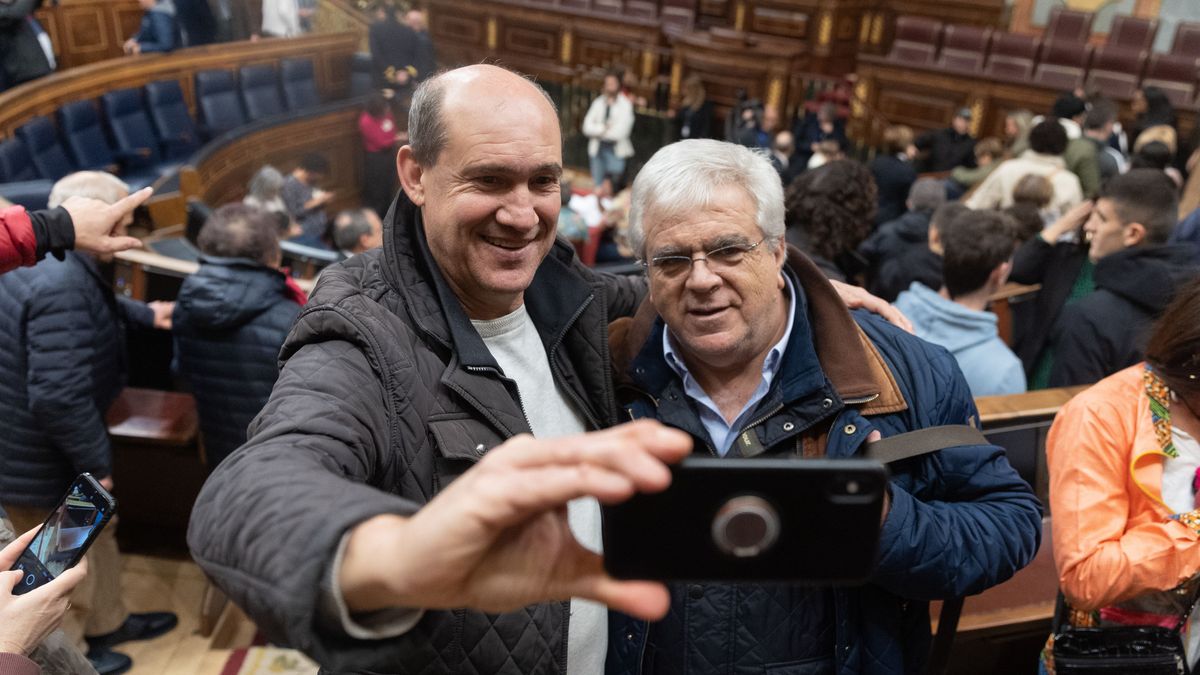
column 330, row 53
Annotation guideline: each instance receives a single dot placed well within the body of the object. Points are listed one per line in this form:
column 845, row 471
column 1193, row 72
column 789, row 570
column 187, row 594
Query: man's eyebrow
column 726, row 240
column 709, row 245
column 670, row 251
column 509, row 170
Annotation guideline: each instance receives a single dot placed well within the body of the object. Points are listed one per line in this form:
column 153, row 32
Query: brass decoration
column 864, row 28
column 648, row 65
column 676, row 77
column 976, row 116
column 491, row 32
column 567, row 39
column 877, row 30
column 861, row 91
column 826, row 30
column 775, row 92
column 739, row 16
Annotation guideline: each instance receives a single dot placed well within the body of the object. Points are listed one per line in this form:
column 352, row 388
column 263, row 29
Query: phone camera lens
column 746, row 526
column 852, row 487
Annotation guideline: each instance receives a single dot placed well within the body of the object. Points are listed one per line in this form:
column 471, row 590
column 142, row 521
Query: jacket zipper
column 520, row 400
column 856, row 401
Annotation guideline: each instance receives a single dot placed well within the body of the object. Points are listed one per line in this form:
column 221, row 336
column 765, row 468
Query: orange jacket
column 1113, row 536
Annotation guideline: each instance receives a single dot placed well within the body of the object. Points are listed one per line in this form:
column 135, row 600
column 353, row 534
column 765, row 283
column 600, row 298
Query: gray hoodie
column 989, row 365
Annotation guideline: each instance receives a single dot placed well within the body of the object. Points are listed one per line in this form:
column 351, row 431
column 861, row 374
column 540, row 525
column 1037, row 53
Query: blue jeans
column 606, row 163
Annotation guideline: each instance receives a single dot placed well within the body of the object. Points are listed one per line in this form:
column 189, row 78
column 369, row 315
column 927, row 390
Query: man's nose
column 517, row 210
column 701, row 278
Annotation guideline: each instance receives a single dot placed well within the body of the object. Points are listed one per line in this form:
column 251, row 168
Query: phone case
column 809, row 521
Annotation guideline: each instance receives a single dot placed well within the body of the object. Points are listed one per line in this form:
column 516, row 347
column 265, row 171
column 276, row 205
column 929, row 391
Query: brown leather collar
column 851, row 362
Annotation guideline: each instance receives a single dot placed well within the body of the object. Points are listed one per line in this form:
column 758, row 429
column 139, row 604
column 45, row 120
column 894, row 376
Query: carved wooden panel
column 86, row 31
column 531, row 40
column 546, row 40
column 782, row 22
column 331, row 55
column 469, row 30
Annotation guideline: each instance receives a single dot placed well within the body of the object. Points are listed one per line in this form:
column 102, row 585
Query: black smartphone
column 66, row 535
column 806, row 521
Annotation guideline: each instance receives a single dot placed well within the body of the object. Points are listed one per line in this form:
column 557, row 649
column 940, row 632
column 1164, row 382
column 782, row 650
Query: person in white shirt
column 608, row 126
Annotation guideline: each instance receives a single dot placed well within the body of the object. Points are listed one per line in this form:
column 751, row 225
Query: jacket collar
column 826, row 344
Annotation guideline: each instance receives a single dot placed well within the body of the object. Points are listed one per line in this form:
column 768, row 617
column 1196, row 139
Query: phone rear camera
column 746, row 526
column 852, row 487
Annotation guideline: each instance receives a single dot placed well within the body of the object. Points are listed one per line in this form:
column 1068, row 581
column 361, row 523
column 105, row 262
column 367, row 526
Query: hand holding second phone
column 26, row 620
column 497, row 539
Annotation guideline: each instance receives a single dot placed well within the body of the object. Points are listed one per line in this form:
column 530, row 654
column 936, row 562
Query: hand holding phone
column 26, row 620
column 66, row 535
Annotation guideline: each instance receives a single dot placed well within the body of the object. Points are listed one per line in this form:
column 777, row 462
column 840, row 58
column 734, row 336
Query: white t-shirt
column 514, row 342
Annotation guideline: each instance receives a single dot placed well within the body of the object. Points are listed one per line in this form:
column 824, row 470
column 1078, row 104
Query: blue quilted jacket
column 62, row 366
column 961, row 519
column 230, row 320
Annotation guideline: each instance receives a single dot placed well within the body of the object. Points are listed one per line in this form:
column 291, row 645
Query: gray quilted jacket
column 385, row 394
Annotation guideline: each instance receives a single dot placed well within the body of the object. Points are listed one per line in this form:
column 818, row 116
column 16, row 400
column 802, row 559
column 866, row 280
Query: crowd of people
column 412, row 462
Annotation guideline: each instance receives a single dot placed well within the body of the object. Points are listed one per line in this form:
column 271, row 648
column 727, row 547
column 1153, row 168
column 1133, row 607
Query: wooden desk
column 997, row 411
column 157, row 468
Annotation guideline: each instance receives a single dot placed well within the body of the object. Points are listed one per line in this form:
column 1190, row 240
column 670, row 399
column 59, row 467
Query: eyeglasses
column 718, row 260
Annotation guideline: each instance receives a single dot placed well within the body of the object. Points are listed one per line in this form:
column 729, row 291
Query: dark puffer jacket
column 385, row 394
column 1107, row 330
column 893, row 240
column 62, row 367
column 230, row 320
column 961, row 519
column 1056, row 267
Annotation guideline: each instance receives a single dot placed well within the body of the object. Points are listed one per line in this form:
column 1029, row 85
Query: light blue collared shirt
column 719, row 431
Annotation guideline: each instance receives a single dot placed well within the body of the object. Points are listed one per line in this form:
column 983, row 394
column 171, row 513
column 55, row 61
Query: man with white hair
column 63, row 366
column 753, row 355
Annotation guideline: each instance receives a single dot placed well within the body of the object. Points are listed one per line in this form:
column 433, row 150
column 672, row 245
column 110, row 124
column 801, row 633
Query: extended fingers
column 637, row 450
column 646, row 600
column 129, row 203
column 509, row 497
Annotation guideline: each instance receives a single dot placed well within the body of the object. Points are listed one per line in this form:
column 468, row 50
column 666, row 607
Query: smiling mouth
column 707, row 311
column 507, row 245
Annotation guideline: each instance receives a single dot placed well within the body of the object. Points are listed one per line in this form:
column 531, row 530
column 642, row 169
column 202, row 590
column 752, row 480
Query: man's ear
column 410, row 173
column 780, row 254
column 999, row 276
column 1135, row 234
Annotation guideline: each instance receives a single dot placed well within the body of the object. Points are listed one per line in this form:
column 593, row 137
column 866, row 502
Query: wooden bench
column 157, row 466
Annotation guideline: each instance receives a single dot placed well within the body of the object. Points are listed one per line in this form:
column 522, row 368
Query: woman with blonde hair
column 694, row 117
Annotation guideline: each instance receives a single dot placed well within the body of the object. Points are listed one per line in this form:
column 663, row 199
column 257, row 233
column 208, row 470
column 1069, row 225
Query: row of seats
column 1062, row 59
column 149, row 135
column 676, row 15
column 225, row 102
column 145, row 134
